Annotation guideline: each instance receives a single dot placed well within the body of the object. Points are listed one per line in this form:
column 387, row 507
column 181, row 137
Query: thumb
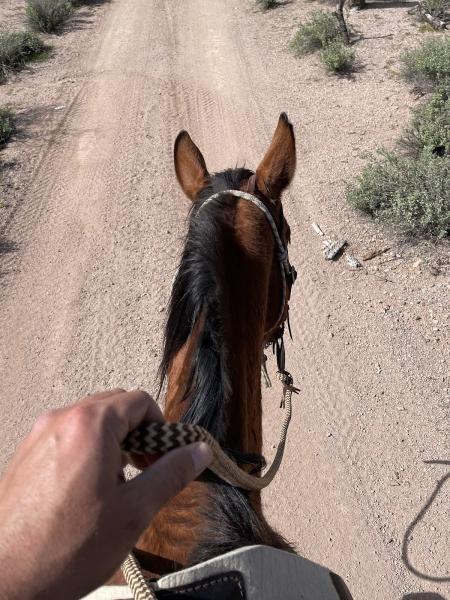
column 155, row 486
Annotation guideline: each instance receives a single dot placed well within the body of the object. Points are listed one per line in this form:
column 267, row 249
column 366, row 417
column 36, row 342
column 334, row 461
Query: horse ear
column 277, row 168
column 190, row 166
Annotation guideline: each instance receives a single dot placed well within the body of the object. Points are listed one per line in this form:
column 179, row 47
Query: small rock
column 333, row 249
column 160, row 308
column 353, row 262
column 317, row 228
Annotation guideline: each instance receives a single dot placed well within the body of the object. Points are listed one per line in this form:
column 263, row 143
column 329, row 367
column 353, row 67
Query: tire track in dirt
column 57, row 130
column 122, row 214
column 41, row 183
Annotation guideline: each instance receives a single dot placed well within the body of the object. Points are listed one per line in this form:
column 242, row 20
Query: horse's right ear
column 277, row 168
column 190, row 166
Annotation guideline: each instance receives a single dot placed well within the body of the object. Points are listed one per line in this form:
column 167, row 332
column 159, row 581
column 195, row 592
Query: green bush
column 48, row 16
column 429, row 63
column 6, row 125
column 16, row 48
column 318, row 32
column 338, row 57
column 412, row 194
column 437, row 8
column 430, row 127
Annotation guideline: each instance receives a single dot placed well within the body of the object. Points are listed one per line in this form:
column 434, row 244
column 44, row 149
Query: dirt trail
column 99, row 234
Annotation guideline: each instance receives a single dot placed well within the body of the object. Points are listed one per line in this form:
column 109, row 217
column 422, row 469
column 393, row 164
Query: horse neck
column 217, row 370
column 244, row 410
column 243, row 306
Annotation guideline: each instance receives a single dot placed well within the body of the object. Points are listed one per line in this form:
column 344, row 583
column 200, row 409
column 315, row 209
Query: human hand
column 67, row 517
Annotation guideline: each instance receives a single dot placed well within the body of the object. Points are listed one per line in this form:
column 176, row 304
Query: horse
column 228, row 302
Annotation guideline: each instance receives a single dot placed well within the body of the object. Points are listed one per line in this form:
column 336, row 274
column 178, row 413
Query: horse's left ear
column 190, row 166
column 277, row 168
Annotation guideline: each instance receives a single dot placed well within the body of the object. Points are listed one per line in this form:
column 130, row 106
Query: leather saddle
column 250, row 573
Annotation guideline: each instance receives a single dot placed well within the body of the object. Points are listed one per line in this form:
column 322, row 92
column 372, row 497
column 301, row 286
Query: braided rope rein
column 140, row 588
column 152, row 438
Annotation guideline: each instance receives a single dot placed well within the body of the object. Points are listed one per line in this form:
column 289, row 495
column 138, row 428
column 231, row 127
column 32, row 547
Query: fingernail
column 201, row 456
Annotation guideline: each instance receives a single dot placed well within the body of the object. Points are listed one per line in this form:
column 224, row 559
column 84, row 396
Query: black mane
column 197, row 292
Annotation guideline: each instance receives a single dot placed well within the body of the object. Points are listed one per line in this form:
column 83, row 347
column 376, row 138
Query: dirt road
column 98, row 234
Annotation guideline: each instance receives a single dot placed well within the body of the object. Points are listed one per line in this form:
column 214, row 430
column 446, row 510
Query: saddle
column 250, row 573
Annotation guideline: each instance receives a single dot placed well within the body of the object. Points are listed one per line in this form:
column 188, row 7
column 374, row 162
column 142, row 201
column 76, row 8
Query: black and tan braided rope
column 136, row 581
column 160, row 438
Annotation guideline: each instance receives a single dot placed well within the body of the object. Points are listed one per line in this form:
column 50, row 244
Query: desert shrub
column 412, row 194
column 267, row 4
column 429, row 63
column 430, row 127
column 437, row 8
column 16, row 48
column 338, row 57
column 318, row 32
column 48, row 16
column 6, row 124
column 79, row 3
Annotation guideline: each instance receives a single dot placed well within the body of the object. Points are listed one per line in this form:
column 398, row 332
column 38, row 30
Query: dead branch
column 339, row 14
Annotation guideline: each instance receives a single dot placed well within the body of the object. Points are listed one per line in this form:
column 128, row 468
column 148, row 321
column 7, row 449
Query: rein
column 160, row 438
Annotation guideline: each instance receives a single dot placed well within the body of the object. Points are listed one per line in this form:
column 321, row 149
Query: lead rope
column 151, row 438
column 136, row 581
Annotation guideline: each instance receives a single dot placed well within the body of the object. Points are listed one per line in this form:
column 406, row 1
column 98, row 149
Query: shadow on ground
column 7, row 246
column 408, row 536
column 387, row 4
column 26, row 120
column 423, row 596
column 80, row 3
column 83, row 16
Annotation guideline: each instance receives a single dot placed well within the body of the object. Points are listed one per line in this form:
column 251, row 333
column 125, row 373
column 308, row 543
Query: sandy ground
column 93, row 226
